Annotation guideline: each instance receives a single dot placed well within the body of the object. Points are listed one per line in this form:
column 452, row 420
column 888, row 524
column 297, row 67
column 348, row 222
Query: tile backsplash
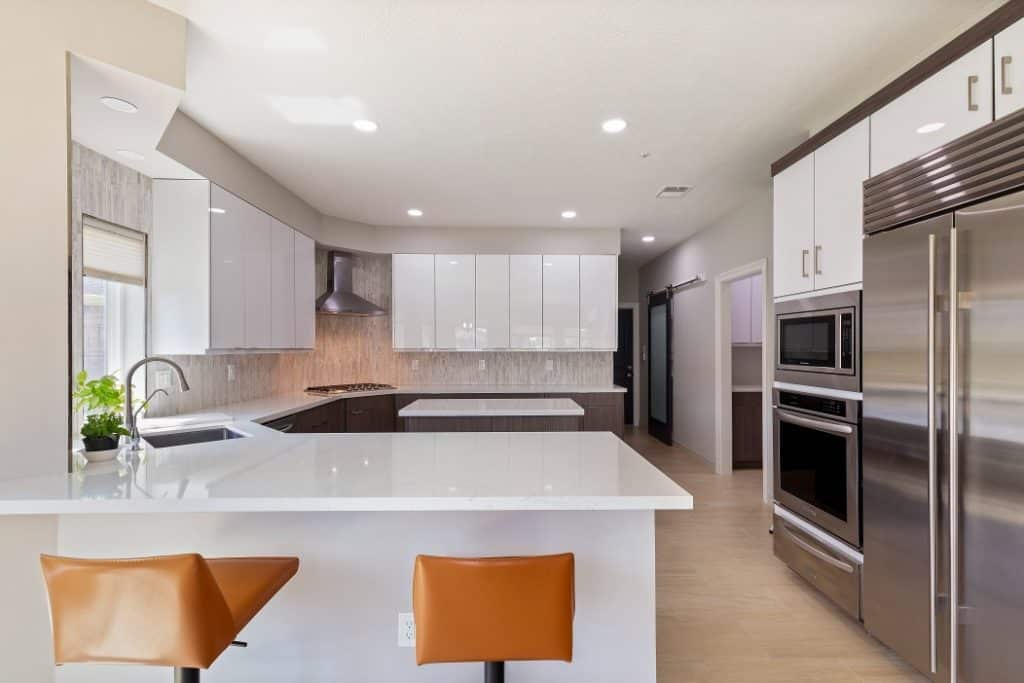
column 355, row 349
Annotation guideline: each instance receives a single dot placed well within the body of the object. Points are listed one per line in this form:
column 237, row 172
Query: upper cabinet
column 498, row 301
column 746, row 300
column 950, row 103
column 454, row 301
column 412, row 305
column 1009, row 69
column 793, row 227
column 840, row 169
column 225, row 275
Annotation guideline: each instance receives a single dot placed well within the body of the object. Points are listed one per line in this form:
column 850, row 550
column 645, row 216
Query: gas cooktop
column 336, row 389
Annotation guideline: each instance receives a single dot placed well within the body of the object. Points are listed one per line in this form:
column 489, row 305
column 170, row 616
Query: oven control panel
column 816, row 404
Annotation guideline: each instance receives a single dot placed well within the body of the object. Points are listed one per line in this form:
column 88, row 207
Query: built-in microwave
column 817, row 341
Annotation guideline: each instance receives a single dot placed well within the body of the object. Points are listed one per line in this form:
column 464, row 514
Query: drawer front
column 835, row 576
column 370, row 414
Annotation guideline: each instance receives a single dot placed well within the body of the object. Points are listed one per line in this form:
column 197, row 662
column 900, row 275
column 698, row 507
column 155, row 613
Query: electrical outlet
column 163, row 379
column 406, row 630
column 415, row 364
column 549, row 365
column 231, row 373
column 482, row 364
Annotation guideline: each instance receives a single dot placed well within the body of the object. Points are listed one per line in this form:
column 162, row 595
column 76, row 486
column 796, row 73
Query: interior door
column 903, row 434
column 622, row 361
column 659, row 366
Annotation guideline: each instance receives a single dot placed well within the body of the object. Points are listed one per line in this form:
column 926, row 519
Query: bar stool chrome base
column 186, row 675
column 494, row 672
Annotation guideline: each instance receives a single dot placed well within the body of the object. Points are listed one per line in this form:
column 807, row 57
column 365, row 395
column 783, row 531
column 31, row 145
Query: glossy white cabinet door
column 256, row 252
column 952, row 102
column 599, row 302
column 561, row 285
column 282, row 285
column 840, row 169
column 793, row 227
column 525, row 283
column 455, row 301
column 492, row 301
column 412, row 301
column 305, row 292
column 741, row 329
column 756, row 309
column 1009, row 69
column 227, row 271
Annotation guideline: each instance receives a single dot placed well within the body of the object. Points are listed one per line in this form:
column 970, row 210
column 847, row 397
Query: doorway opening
column 659, row 366
column 625, row 361
column 743, row 342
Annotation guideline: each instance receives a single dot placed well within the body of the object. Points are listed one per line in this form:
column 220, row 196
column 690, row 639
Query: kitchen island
column 357, row 509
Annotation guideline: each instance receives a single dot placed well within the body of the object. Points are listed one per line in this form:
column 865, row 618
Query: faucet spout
column 130, row 417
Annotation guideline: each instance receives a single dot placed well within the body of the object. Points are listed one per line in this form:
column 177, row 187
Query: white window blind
column 113, row 253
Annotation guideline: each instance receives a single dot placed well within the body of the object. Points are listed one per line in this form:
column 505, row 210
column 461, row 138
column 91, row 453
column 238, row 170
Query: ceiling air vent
column 673, row 191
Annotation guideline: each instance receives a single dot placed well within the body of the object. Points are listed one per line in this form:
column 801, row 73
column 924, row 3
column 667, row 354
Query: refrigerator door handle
column 933, row 477
column 954, row 465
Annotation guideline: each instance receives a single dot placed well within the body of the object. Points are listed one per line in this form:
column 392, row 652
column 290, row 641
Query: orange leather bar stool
column 493, row 610
column 178, row 611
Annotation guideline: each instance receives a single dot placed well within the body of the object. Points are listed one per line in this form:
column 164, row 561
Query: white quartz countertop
column 492, row 407
column 273, row 407
column 270, row 471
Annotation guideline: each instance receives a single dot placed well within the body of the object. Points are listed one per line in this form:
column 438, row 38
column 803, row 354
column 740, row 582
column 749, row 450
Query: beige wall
column 740, row 238
column 34, row 213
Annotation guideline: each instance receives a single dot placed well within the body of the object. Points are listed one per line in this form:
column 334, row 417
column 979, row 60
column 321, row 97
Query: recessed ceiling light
column 365, row 126
column 129, row 154
column 931, row 127
column 614, row 126
column 117, row 104
column 415, row 213
column 214, row 209
column 647, row 238
column 568, row 213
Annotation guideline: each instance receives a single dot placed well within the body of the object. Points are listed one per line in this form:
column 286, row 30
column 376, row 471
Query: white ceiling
column 107, row 131
column 490, row 110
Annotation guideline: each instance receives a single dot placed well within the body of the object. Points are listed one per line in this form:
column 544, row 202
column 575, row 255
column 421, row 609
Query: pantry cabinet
column 747, row 315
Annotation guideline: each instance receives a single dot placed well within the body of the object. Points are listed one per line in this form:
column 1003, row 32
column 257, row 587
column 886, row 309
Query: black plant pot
column 100, row 443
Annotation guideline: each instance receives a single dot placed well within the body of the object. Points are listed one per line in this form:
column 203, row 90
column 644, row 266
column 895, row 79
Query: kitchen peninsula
column 357, row 509
column 492, row 415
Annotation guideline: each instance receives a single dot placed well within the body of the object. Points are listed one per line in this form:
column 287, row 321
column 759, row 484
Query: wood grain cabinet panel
column 369, row 414
column 746, row 430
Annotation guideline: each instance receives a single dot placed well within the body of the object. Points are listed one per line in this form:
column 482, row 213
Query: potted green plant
column 103, row 400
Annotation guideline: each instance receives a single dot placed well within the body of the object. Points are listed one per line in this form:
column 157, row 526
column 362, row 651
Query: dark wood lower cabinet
column 369, row 414
column 746, row 430
column 519, row 423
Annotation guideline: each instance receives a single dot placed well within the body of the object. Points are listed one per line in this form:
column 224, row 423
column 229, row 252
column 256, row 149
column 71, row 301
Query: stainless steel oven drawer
column 835, row 575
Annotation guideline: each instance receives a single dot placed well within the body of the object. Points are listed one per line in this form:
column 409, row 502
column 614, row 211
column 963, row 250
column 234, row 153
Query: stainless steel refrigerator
column 943, row 516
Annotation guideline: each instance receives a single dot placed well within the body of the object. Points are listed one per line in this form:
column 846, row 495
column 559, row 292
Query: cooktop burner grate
column 334, row 389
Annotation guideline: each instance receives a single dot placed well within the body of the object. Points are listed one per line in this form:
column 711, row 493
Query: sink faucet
column 130, row 419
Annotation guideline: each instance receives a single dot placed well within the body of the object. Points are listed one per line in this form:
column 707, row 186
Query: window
column 113, row 300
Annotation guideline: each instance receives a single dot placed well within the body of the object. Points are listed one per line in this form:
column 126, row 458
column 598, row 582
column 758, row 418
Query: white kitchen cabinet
column 492, row 301
column 225, row 275
column 305, row 292
column 599, row 302
column 282, row 285
column 793, row 227
column 227, row 270
column 840, row 169
column 950, row 103
column 1009, row 69
column 454, row 301
column 561, row 296
column 525, row 300
column 746, row 309
column 412, row 309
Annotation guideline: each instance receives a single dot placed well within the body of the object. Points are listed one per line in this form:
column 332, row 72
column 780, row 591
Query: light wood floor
column 727, row 609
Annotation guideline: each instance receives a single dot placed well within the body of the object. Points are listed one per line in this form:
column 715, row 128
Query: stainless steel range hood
column 341, row 300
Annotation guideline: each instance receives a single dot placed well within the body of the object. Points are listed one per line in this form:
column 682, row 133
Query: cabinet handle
column 357, row 412
column 803, row 263
column 971, row 106
column 817, row 259
column 1003, row 62
column 286, row 428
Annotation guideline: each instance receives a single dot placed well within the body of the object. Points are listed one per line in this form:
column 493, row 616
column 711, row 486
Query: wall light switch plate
column 415, row 364
column 231, row 373
column 482, row 364
column 163, row 379
column 549, row 365
column 406, row 630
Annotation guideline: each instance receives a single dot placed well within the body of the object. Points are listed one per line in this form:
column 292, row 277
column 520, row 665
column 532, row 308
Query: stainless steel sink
column 204, row 435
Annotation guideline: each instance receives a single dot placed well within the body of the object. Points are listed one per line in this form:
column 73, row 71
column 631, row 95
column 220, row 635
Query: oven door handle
column 810, row 423
column 821, row 555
